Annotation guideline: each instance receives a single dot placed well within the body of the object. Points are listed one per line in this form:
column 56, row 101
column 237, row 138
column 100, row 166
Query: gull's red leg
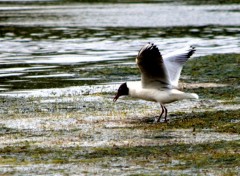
column 163, row 110
column 166, row 111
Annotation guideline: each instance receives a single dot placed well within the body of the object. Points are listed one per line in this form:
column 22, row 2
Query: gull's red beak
column 116, row 97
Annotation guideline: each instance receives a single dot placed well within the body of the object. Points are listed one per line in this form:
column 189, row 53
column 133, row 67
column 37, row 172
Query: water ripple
column 58, row 46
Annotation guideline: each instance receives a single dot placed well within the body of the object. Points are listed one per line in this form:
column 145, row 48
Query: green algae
column 26, row 153
column 224, row 121
column 218, row 154
column 224, row 69
column 120, row 137
column 220, row 121
column 207, row 155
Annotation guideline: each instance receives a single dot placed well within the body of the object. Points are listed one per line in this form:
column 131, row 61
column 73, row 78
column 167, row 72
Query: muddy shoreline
column 85, row 133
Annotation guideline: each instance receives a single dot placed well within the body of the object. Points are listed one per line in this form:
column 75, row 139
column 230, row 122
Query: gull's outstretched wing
column 174, row 63
column 153, row 71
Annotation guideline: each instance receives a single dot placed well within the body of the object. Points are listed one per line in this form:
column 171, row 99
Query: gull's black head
column 122, row 90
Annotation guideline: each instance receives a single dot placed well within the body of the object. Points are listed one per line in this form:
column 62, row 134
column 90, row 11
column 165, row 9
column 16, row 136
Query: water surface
column 58, row 45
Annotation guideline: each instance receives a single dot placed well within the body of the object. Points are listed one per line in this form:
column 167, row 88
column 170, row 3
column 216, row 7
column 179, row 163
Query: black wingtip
column 149, row 49
column 191, row 51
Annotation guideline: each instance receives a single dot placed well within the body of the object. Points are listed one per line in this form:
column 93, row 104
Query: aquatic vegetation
column 218, row 120
column 61, row 130
column 224, row 69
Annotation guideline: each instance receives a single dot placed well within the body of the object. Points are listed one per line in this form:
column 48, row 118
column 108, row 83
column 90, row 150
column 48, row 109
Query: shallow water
column 57, row 45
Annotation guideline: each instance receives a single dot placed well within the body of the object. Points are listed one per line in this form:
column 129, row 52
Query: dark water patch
column 42, row 57
column 28, row 2
column 60, row 2
column 30, row 76
column 207, row 2
column 54, row 33
column 51, row 2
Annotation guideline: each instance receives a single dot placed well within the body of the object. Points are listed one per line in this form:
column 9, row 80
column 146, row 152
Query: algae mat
column 80, row 131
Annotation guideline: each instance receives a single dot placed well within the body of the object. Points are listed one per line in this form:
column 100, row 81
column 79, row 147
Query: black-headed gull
column 159, row 77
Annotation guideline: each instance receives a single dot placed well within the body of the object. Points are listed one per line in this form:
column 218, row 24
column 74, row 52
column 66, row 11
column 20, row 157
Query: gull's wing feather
column 151, row 65
column 174, row 63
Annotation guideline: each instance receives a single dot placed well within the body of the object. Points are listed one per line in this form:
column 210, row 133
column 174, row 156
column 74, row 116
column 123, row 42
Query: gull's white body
column 159, row 77
column 163, row 96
